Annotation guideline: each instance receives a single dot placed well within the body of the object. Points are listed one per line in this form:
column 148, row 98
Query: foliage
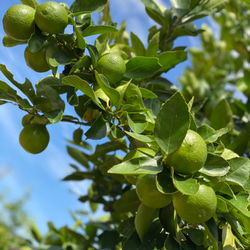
column 143, row 118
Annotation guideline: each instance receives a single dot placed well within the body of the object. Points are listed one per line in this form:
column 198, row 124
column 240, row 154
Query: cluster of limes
column 186, row 160
column 20, row 21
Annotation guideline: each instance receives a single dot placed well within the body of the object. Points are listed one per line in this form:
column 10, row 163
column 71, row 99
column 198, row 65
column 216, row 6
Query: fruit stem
column 67, row 47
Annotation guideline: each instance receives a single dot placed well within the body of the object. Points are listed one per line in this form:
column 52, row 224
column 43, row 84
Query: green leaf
column 147, row 94
column 164, row 182
column 98, row 29
column 79, row 176
column 80, row 40
column 180, row 7
column 128, row 202
column 112, row 93
column 78, row 83
column 99, row 129
column 209, row 134
column 94, row 54
column 143, row 219
column 9, row 42
column 172, row 123
column 241, row 203
column 169, row 59
column 137, row 45
column 54, row 116
column 141, row 138
column 78, row 155
column 142, row 165
column 142, row 67
column 215, row 165
column 188, row 186
column 239, row 171
column 221, row 116
column 37, row 41
column 26, row 87
column 214, row 4
column 84, row 6
column 153, row 46
column 137, row 123
column 59, row 58
column 31, row 3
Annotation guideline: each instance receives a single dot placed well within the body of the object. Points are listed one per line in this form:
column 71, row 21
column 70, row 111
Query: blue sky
column 51, row 198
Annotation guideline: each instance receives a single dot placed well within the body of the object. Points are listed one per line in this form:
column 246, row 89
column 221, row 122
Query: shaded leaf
column 78, row 155
column 99, row 129
column 143, row 219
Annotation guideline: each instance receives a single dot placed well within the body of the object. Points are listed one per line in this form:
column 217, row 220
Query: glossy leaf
column 187, row 186
column 172, row 123
column 142, row 67
column 209, row 134
column 78, row 83
column 142, row 165
column 98, row 29
column 215, row 165
column 84, row 6
column 137, row 45
column 112, row 93
column 239, row 171
column 241, row 203
column 169, row 59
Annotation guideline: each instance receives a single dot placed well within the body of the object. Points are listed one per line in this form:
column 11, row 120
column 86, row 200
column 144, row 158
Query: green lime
column 34, row 138
column 112, row 66
column 37, row 60
column 19, row 22
column 148, row 193
column 51, row 17
column 196, row 208
column 190, row 156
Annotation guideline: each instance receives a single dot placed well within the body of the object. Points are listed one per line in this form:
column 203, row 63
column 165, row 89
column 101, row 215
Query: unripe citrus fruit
column 37, row 60
column 34, row 138
column 196, row 208
column 19, row 22
column 112, row 66
column 190, row 156
column 148, row 193
column 51, row 17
